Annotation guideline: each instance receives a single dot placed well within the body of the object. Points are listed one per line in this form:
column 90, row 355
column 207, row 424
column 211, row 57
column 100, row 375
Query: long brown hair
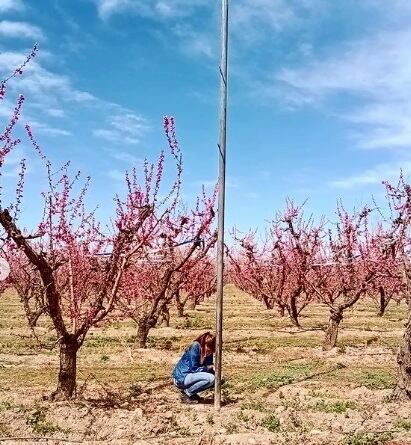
column 207, row 343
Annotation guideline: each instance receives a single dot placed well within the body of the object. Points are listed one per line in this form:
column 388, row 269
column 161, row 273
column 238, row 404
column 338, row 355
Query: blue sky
column 319, row 100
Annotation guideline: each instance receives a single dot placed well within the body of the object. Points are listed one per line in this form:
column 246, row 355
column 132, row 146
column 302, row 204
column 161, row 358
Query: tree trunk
column 383, row 302
column 142, row 333
column 164, row 319
column 66, row 386
column 180, row 309
column 144, row 326
column 403, row 388
column 267, row 302
column 336, row 315
column 192, row 304
column 293, row 311
column 281, row 310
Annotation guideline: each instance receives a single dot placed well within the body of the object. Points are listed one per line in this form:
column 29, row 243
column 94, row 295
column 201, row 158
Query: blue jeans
column 196, row 382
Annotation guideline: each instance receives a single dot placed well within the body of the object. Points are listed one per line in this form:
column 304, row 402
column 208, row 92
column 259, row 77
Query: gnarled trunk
column 336, row 316
column 66, row 386
column 165, row 317
column 293, row 311
column 281, row 310
column 403, row 388
column 383, row 303
column 144, row 326
column 192, row 303
column 267, row 302
column 180, row 305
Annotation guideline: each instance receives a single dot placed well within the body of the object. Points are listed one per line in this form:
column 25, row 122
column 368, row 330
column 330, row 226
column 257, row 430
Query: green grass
column 275, row 379
column 375, row 379
column 40, row 424
column 360, row 438
column 403, row 424
column 271, row 423
column 338, row 406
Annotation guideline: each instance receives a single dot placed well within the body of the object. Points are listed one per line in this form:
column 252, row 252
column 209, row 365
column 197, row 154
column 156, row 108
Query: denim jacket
column 189, row 363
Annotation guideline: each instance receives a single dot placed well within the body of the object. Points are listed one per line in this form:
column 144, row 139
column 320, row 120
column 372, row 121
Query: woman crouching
column 194, row 372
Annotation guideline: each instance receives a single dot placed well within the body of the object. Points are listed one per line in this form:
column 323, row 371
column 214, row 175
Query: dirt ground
column 281, row 387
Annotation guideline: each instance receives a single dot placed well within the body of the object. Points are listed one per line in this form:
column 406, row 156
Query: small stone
column 168, row 414
column 138, row 412
column 384, row 412
column 315, row 432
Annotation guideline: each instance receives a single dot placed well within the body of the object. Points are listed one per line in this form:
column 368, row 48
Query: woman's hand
column 210, row 368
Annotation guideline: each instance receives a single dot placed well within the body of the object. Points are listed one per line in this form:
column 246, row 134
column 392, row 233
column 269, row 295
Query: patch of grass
column 275, row 379
column 5, row 430
column 135, row 389
column 231, row 428
column 360, row 438
column 255, row 406
column 404, row 424
column 191, row 322
column 375, row 379
column 267, row 344
column 338, row 406
column 243, row 417
column 181, row 430
column 322, row 394
column 98, row 341
column 5, row 406
column 104, row 358
column 272, row 423
column 39, row 423
column 171, row 343
column 210, row 419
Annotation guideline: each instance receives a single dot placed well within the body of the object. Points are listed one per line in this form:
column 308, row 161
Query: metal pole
column 221, row 201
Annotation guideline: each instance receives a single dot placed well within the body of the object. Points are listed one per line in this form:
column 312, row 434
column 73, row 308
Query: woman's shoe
column 189, row 400
column 198, row 398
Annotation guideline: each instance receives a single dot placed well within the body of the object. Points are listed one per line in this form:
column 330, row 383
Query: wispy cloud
column 55, row 112
column 231, row 183
column 375, row 175
column 126, row 157
column 54, row 95
column 124, row 127
column 249, row 15
column 193, row 42
column 11, row 5
column 117, row 175
column 44, row 128
column 20, row 30
column 376, row 72
column 40, row 83
column 159, row 9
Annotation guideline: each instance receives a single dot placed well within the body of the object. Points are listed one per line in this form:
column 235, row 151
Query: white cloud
column 20, row 30
column 124, row 127
column 193, row 42
column 376, row 72
column 52, row 95
column 126, row 157
column 375, row 175
column 108, row 7
column 159, row 9
column 275, row 14
column 42, row 127
column 55, row 112
column 117, row 175
column 40, row 83
column 11, row 5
